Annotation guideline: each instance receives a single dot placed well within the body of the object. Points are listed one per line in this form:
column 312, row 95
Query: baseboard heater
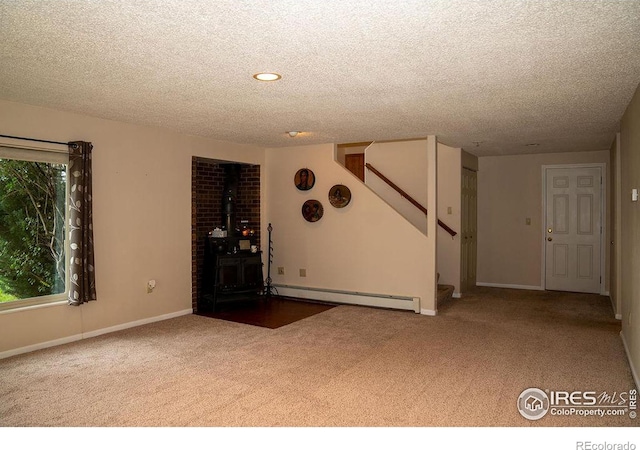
column 349, row 297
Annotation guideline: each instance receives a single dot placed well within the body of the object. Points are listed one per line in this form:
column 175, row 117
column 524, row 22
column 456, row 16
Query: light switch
column 528, row 220
column 634, row 195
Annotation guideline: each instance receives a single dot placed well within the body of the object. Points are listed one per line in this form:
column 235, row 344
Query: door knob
column 549, row 239
column 549, row 230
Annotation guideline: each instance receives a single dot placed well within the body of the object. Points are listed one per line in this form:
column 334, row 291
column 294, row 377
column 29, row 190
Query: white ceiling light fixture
column 293, row 133
column 267, row 76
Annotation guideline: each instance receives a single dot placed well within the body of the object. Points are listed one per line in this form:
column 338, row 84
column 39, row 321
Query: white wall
column 449, row 196
column 630, row 228
column 365, row 247
column 509, row 192
column 405, row 164
column 142, row 221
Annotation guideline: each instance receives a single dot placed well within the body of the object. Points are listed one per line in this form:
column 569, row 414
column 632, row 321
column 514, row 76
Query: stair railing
column 406, row 196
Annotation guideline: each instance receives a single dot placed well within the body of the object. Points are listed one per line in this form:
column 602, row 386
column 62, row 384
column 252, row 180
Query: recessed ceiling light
column 267, row 76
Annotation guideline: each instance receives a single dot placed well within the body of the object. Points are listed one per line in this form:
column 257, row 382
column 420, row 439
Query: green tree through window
column 32, row 220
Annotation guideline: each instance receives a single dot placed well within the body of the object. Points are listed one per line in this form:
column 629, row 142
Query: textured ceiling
column 504, row 73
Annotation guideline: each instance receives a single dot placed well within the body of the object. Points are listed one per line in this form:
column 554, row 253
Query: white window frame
column 49, row 153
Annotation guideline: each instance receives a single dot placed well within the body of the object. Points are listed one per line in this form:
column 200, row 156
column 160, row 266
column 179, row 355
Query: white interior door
column 573, row 229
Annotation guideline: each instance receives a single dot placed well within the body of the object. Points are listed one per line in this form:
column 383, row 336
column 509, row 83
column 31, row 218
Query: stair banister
column 408, row 197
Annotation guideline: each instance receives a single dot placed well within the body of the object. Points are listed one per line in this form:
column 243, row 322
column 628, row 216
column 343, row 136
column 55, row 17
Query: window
column 33, row 195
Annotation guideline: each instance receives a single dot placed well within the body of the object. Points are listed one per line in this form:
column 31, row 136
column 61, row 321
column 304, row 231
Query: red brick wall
column 207, row 184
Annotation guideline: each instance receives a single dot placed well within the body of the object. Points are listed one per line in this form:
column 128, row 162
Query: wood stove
column 232, row 266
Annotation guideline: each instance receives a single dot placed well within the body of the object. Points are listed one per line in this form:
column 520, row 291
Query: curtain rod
column 34, row 140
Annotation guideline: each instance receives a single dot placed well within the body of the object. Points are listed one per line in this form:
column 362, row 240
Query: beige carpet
column 348, row 366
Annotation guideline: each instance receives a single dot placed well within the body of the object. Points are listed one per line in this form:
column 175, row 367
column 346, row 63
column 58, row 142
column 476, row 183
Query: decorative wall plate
column 339, row 196
column 304, row 179
column 312, row 210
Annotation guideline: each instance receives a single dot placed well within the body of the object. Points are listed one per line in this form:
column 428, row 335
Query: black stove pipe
column 229, row 196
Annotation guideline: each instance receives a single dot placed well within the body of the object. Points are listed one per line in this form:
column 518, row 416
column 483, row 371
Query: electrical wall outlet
column 151, row 285
column 303, row 272
column 449, row 210
column 280, row 270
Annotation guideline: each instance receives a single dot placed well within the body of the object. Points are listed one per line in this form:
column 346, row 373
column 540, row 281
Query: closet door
column 468, row 236
column 354, row 162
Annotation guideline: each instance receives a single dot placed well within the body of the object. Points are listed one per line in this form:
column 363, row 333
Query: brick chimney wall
column 207, row 184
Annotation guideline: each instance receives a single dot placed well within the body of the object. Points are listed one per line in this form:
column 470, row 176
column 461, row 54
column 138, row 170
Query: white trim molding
column 617, row 315
column 428, row 312
column 456, row 295
column 510, row 286
column 90, row 334
column 137, row 323
column 34, row 145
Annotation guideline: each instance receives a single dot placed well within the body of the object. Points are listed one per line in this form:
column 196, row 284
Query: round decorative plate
column 304, row 179
column 312, row 210
column 339, row 196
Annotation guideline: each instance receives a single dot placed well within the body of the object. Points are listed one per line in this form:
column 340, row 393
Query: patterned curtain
column 81, row 269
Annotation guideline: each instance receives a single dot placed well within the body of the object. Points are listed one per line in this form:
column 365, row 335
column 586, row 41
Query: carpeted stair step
column 445, row 293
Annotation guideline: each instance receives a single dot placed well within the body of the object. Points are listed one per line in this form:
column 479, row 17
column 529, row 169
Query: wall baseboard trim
column 428, row 312
column 348, row 297
column 613, row 306
column 510, row 286
column 90, row 334
column 634, row 373
column 136, row 323
column 40, row 346
column 456, row 295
